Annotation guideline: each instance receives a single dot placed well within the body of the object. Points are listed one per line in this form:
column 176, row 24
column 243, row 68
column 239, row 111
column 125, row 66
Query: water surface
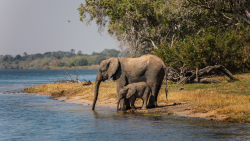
column 31, row 117
column 18, row 79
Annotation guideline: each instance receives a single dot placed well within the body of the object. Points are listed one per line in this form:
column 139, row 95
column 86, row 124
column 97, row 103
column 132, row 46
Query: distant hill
column 58, row 59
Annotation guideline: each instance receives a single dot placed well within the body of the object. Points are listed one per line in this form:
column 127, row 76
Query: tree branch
column 243, row 18
column 149, row 40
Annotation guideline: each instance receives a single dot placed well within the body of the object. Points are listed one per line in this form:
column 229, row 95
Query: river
column 31, row 117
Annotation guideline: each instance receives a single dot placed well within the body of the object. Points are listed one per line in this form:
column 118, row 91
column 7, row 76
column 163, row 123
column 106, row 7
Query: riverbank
column 222, row 101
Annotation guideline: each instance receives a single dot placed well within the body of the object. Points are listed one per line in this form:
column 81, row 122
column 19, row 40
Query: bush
column 61, row 64
column 78, row 62
column 71, row 64
column 46, row 67
column 81, row 62
column 230, row 49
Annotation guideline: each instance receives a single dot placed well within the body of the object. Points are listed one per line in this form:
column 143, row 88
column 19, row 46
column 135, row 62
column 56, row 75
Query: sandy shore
column 177, row 109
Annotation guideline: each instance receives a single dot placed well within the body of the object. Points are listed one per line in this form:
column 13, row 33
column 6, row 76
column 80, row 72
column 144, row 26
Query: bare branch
column 243, row 18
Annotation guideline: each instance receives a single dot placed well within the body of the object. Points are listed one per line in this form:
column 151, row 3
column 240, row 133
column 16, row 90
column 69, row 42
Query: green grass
column 155, row 115
column 170, row 113
column 241, row 87
column 238, row 119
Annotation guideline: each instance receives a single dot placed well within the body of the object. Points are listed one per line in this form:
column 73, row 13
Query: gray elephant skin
column 133, row 91
column 147, row 68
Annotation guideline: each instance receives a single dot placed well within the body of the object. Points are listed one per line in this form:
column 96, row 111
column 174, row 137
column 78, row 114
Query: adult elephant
column 147, row 68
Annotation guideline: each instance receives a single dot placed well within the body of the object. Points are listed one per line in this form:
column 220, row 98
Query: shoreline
column 176, row 109
column 227, row 102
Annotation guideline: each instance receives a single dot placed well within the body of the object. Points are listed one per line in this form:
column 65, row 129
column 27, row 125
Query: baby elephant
column 133, row 91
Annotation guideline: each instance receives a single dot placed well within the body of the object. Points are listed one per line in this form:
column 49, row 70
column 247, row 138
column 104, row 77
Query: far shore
column 228, row 102
column 54, row 67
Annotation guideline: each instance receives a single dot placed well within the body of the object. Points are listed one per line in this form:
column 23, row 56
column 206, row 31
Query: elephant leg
column 151, row 103
column 124, row 103
column 145, row 98
column 157, row 92
column 132, row 101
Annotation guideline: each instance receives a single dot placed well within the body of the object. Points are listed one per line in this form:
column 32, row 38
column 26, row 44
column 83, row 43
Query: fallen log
column 193, row 76
column 86, row 82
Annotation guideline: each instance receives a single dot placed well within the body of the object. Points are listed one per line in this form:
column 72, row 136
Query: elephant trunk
column 97, row 84
column 118, row 103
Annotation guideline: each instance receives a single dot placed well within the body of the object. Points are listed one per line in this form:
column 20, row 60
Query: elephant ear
column 104, row 66
column 112, row 67
column 131, row 91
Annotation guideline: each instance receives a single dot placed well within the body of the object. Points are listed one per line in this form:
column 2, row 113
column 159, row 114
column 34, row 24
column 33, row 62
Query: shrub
column 230, row 49
column 61, row 64
column 46, row 67
column 81, row 62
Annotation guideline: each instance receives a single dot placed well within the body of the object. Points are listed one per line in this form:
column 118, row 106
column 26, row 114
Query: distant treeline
column 58, row 59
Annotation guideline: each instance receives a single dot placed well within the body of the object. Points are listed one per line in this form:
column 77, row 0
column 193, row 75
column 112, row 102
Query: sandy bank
column 177, row 109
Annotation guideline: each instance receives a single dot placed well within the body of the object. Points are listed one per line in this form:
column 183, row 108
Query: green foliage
column 238, row 119
column 61, row 64
column 18, row 57
column 197, row 33
column 82, row 62
column 55, row 60
column 110, row 53
column 96, row 60
column 136, row 24
column 71, row 64
column 78, row 62
column 79, row 53
column 8, row 58
column 230, row 48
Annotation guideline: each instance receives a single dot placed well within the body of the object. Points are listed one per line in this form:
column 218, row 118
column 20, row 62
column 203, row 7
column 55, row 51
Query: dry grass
column 230, row 99
column 107, row 90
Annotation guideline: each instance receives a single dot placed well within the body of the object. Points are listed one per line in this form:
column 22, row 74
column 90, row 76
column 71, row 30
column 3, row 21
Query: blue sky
column 38, row 26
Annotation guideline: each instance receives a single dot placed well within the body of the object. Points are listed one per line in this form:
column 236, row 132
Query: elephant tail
column 166, row 77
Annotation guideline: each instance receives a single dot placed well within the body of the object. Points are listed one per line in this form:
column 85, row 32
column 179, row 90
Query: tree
column 68, row 54
column 61, row 64
column 230, row 49
column 81, row 62
column 8, row 58
column 112, row 53
column 71, row 64
column 233, row 11
column 72, row 51
column 79, row 53
column 57, row 63
column 25, row 54
column 18, row 57
column 138, row 25
column 142, row 25
column 47, row 54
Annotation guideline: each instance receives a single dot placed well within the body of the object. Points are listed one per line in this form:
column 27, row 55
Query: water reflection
column 173, row 127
